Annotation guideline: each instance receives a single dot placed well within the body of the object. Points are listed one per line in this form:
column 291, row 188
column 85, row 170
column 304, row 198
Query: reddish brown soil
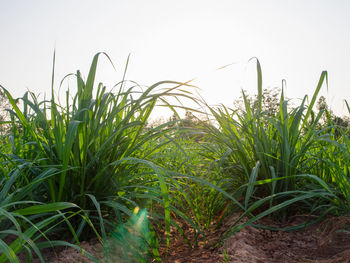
column 316, row 244
column 321, row 243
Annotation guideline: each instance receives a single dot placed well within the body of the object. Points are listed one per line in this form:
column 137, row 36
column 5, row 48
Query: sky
column 180, row 40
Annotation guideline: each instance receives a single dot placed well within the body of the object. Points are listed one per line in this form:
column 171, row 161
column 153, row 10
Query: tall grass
column 95, row 167
column 276, row 152
column 100, row 147
column 26, row 224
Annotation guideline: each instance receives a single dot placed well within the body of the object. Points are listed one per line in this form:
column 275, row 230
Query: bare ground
column 322, row 243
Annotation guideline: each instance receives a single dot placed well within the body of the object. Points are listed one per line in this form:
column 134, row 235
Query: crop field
column 96, row 167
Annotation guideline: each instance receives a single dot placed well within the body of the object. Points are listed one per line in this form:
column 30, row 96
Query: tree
column 329, row 119
column 270, row 101
column 4, row 115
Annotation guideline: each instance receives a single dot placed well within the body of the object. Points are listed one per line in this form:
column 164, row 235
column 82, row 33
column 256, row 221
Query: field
column 94, row 174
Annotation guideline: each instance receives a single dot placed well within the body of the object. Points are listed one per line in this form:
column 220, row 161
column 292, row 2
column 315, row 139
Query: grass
column 26, row 223
column 93, row 167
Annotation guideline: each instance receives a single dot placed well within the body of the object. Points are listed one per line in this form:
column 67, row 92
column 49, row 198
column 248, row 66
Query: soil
column 322, row 243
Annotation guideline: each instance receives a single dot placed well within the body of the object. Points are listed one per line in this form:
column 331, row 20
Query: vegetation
column 94, row 167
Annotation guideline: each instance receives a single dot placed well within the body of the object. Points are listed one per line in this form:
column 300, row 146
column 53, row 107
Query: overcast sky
column 178, row 40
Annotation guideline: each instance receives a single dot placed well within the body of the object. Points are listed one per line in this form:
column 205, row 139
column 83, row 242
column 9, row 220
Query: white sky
column 178, row 40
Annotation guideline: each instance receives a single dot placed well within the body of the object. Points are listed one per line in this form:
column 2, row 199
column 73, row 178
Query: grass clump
column 99, row 149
